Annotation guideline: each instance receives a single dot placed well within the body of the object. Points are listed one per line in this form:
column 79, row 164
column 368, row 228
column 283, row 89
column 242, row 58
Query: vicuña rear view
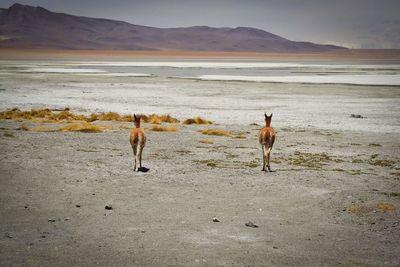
column 267, row 139
column 138, row 140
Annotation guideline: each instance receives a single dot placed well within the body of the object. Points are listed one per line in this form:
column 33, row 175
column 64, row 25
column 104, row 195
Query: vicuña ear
column 134, row 116
column 265, row 114
column 271, row 115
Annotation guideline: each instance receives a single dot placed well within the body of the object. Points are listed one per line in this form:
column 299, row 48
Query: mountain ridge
column 24, row 26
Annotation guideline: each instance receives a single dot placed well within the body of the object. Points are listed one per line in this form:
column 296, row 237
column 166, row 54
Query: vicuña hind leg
column 139, row 156
column 134, row 158
column 263, row 155
column 269, row 166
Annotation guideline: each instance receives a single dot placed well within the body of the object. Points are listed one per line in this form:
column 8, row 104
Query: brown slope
column 23, row 26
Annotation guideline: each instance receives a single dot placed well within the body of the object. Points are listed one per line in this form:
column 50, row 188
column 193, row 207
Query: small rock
column 275, row 247
column 215, row 220
column 108, row 207
column 67, row 218
column 8, row 235
column 251, row 224
column 26, row 207
column 357, row 116
column 77, row 205
column 51, row 220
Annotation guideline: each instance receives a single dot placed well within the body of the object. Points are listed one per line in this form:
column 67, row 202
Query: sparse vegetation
column 286, row 130
column 240, row 136
column 208, row 162
column 391, row 194
column 206, row 141
column 162, row 129
column 87, row 150
column 183, row 152
column 51, row 116
column 360, row 210
column 196, row 120
column 397, row 174
column 374, row 144
column 251, row 164
column 109, row 116
column 382, row 163
column 309, row 160
column 216, row 132
column 75, row 127
column 228, row 164
column 84, row 127
column 8, row 135
column 338, row 170
column 158, row 119
column 385, row 206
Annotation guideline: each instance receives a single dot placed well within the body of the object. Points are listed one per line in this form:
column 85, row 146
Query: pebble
column 251, row 224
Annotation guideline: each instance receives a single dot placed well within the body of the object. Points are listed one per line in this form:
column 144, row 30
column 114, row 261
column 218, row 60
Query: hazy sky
column 353, row 23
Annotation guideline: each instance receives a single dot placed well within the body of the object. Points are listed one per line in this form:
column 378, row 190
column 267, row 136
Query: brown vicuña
column 138, row 141
column 266, row 138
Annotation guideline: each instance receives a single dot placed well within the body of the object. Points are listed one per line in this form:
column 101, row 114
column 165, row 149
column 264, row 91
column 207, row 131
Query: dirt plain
column 332, row 200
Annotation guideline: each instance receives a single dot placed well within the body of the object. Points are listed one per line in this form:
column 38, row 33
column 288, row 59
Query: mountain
column 23, row 26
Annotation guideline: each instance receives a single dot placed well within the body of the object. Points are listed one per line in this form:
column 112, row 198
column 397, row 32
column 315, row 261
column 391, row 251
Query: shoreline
column 350, row 54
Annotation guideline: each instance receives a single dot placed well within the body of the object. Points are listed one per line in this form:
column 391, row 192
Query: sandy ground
column 332, row 200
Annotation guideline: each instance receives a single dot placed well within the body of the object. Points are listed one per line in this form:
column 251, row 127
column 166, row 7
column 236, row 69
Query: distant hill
column 23, row 26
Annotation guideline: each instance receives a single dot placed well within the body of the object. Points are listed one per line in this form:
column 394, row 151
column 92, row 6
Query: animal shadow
column 143, row 169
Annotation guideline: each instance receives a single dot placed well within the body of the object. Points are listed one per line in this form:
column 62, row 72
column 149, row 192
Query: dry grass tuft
column 158, row 119
column 84, row 127
column 382, row 163
column 386, row 206
column 162, row 129
column 383, row 206
column 109, row 116
column 75, row 127
column 197, row 120
column 216, row 132
column 359, row 210
column 206, row 141
column 23, row 127
column 240, row 136
column 49, row 116
column 376, row 145
column 43, row 129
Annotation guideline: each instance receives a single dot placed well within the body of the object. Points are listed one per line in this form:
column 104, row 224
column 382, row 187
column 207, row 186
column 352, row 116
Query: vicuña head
column 137, row 120
column 266, row 138
column 268, row 120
